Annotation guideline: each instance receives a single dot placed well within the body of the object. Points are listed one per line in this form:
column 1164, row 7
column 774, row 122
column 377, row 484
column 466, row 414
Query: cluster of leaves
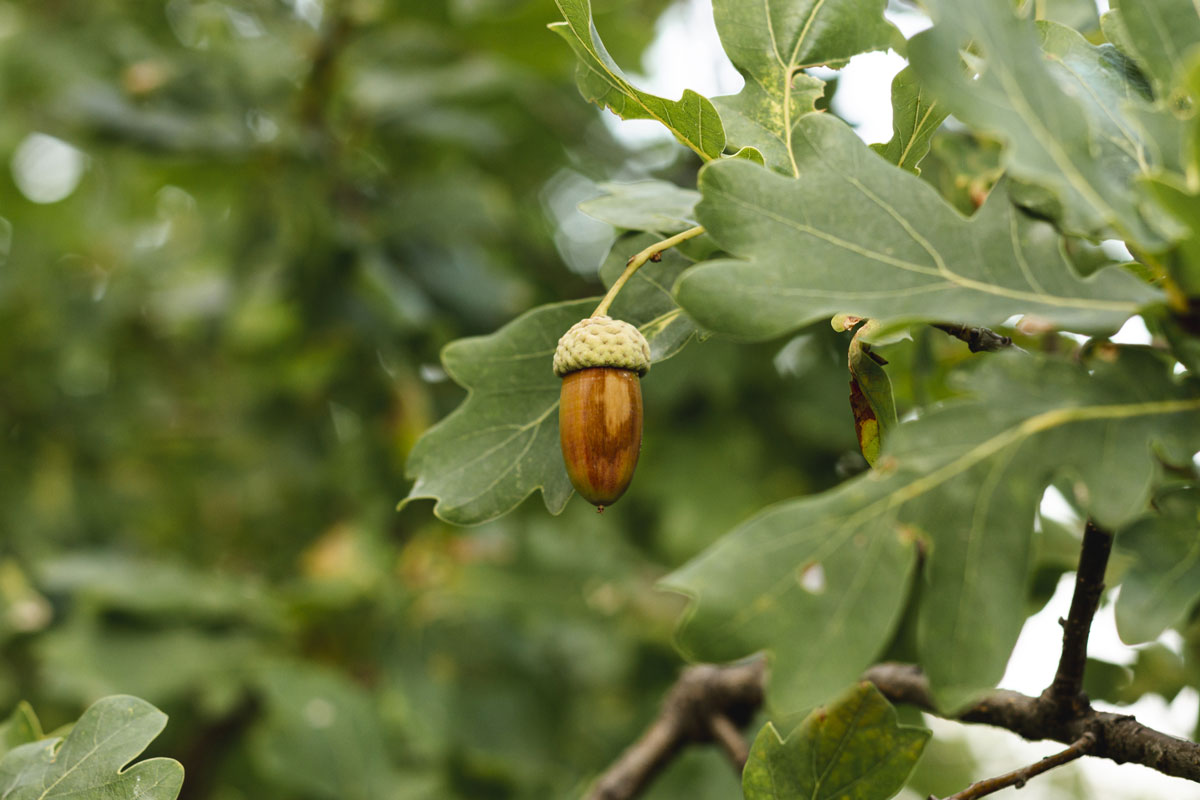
column 1072, row 141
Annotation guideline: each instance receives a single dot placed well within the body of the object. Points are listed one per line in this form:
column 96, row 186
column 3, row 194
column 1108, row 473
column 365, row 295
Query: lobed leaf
column 1163, row 34
column 771, row 44
column 967, row 479
column 1057, row 100
column 852, row 749
column 87, row 764
column 859, row 236
column 1164, row 581
column 1179, row 206
column 692, row 118
column 1078, row 14
column 915, row 118
column 501, row 444
column 1173, row 191
column 21, row 727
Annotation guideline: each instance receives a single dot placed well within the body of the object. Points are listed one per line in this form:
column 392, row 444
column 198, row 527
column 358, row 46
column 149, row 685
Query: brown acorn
column 601, row 361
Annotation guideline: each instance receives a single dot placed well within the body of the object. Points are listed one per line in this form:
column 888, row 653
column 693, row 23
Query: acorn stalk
column 601, row 361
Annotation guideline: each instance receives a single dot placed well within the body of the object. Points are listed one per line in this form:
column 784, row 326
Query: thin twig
column 652, row 253
column 726, row 734
column 978, row 339
column 1018, row 778
column 707, row 703
column 1067, row 689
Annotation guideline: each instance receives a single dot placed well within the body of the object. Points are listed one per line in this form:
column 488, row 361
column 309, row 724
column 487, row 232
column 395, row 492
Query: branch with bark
column 1119, row 737
column 709, row 703
column 1019, row 777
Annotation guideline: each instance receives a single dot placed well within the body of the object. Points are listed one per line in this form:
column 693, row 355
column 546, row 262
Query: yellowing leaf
column 852, row 749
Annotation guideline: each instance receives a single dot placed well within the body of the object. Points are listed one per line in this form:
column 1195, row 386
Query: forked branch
column 1119, row 737
column 708, row 703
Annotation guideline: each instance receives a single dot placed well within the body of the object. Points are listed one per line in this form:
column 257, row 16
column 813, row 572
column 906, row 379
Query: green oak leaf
column 1113, row 29
column 692, row 118
column 1157, row 670
column 655, row 206
column 88, row 764
column 1179, row 206
column 1173, row 192
column 750, row 154
column 915, row 118
column 1168, row 140
column 21, row 727
column 1057, row 100
column 1164, row 581
column 852, row 749
column 502, row 444
column 1162, row 34
column 1078, row 14
column 1103, row 680
column 771, row 44
column 963, row 167
column 820, row 581
column 859, row 236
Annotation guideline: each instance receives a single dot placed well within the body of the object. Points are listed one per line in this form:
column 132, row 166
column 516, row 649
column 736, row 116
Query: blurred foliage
column 234, row 237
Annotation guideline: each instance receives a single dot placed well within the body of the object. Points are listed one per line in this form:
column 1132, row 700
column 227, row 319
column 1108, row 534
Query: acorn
column 601, row 361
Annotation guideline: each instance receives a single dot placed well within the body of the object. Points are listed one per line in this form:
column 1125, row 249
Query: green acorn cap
column 602, row 342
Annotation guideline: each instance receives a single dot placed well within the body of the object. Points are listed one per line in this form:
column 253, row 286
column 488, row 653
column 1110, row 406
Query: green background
column 218, row 350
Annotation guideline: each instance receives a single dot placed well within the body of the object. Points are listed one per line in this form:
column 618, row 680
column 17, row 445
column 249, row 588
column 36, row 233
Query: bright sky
column 687, row 54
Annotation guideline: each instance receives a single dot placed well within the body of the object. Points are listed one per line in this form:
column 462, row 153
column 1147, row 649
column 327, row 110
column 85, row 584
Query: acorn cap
column 602, row 342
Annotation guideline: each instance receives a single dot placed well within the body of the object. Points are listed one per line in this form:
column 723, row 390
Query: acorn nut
column 601, row 361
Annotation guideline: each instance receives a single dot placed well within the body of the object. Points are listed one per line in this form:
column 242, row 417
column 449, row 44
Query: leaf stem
column 635, row 263
column 1017, row 778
